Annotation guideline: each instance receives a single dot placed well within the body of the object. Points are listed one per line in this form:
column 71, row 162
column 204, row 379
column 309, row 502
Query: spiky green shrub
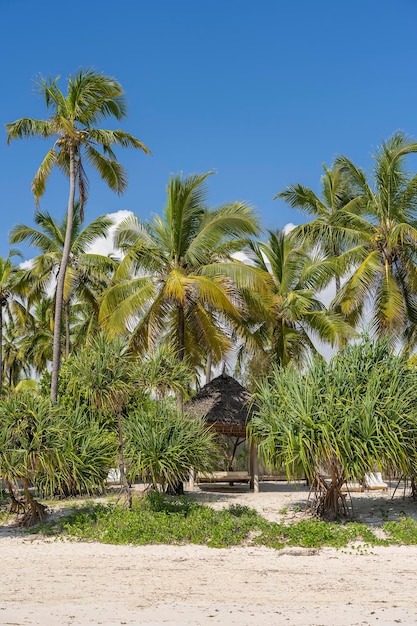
column 59, row 452
column 350, row 416
column 162, row 445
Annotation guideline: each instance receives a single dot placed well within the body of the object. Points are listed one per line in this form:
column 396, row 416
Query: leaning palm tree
column 384, row 276
column 294, row 315
column 178, row 281
column 87, row 274
column 91, row 97
column 325, row 229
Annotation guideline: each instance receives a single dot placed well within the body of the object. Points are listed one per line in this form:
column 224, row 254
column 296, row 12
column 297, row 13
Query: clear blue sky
column 261, row 91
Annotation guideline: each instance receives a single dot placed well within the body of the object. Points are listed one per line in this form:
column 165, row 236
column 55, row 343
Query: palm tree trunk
column 67, row 329
column 181, row 333
column 1, row 349
column 56, row 356
column 181, row 348
column 178, row 488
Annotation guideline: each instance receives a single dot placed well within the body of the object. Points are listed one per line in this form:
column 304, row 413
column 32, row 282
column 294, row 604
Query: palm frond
column 110, row 171
column 28, row 127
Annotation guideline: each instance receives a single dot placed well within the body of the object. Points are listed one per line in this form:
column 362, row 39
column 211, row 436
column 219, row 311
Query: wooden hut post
column 253, row 467
column 191, row 479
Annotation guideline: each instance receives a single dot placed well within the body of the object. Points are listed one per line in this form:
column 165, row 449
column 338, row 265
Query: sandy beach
column 54, row 582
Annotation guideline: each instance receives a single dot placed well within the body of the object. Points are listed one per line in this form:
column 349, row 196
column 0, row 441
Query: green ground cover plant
column 157, row 519
column 402, row 532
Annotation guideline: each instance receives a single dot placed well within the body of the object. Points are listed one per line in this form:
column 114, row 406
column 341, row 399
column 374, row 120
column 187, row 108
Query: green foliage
column 86, row 454
column 156, row 518
column 101, row 376
column 403, row 532
column 293, row 313
column 349, row 416
column 90, row 98
column 87, row 275
column 106, row 377
column 60, row 452
column 178, row 281
column 326, row 231
column 162, row 445
column 381, row 267
column 316, row 534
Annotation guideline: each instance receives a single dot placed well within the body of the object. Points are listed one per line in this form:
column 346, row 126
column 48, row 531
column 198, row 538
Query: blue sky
column 262, row 92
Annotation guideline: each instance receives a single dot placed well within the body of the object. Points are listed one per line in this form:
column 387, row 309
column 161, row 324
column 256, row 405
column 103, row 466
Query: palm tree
column 15, row 362
column 91, row 97
column 325, row 230
column 8, row 281
column 293, row 314
column 178, row 281
column 36, row 330
column 87, row 274
column 384, row 274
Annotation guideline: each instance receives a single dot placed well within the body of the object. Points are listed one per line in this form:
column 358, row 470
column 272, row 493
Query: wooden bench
column 224, row 477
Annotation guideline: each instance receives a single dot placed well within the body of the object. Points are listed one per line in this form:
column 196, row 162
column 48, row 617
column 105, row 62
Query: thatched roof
column 223, row 402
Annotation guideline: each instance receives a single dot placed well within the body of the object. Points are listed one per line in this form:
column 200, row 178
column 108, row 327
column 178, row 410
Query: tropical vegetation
column 91, row 97
column 98, row 353
column 344, row 418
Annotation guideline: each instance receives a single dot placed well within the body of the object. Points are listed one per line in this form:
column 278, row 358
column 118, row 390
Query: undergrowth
column 156, row 519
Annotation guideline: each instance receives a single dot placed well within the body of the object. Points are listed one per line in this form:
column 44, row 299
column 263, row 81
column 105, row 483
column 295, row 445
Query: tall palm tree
column 326, row 229
column 383, row 264
column 91, row 97
column 87, row 274
column 294, row 315
column 178, row 280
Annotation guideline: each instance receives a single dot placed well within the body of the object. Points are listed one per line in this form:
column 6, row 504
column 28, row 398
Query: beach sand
column 54, row 582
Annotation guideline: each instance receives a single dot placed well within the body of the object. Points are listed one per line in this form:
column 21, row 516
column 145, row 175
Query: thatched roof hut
column 225, row 404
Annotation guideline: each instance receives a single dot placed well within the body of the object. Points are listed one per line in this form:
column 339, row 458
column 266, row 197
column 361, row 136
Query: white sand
column 59, row 583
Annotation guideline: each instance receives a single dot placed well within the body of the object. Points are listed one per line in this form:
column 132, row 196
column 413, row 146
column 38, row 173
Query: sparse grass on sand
column 230, row 519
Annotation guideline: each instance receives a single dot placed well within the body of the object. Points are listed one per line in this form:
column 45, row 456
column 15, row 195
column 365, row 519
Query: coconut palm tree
column 8, row 283
column 293, row 313
column 15, row 362
column 178, row 281
column 326, row 229
column 91, row 97
column 383, row 264
column 87, row 274
column 36, row 331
